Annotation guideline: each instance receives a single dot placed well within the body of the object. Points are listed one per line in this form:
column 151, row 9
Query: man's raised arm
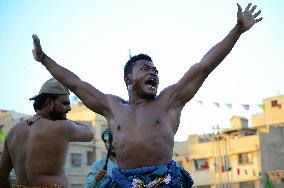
column 89, row 95
column 190, row 83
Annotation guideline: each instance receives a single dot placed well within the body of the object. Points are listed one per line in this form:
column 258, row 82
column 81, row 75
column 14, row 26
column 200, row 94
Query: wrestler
column 143, row 127
column 36, row 148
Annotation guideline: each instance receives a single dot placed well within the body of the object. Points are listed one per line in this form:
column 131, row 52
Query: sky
column 93, row 38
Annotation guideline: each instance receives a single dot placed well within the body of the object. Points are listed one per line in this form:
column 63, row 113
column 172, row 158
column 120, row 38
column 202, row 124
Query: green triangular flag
column 261, row 106
column 200, row 102
column 229, row 105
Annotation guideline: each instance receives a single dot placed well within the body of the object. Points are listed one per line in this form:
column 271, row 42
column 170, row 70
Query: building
column 240, row 157
column 273, row 114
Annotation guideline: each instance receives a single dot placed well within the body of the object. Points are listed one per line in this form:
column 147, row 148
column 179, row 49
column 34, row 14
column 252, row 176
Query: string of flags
column 275, row 174
column 239, row 171
column 231, row 105
column 273, row 178
column 216, row 104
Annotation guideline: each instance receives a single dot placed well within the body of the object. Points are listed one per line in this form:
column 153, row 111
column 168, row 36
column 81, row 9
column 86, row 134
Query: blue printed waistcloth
column 163, row 176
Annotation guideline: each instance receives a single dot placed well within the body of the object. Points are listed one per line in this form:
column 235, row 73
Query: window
column 247, row 185
column 76, row 159
column 90, row 157
column 245, row 158
column 274, row 103
column 201, row 164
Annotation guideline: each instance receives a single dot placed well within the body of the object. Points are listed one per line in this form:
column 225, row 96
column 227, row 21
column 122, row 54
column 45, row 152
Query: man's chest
column 139, row 116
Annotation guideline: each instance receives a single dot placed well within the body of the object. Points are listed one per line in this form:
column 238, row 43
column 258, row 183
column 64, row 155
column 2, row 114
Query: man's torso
column 143, row 135
column 38, row 153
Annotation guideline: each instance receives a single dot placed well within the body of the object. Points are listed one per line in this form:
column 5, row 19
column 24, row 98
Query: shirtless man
column 36, row 148
column 143, row 127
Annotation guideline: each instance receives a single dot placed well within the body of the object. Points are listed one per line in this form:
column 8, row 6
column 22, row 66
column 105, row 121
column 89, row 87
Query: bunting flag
column 253, row 172
column 261, row 106
column 206, row 165
column 200, row 102
column 247, row 107
column 229, row 168
column 229, row 105
column 216, row 104
column 223, row 168
column 187, row 159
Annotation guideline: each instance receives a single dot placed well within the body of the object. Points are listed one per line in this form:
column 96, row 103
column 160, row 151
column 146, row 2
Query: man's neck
column 43, row 114
column 136, row 100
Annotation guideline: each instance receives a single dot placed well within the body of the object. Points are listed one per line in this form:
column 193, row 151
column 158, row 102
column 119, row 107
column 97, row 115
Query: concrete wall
column 272, row 149
column 77, row 175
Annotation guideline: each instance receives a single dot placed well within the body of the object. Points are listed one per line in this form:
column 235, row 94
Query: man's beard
column 57, row 115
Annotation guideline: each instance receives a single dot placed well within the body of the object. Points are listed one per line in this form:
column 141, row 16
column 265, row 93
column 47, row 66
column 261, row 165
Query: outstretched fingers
column 257, row 13
column 258, row 20
column 253, row 8
column 239, row 8
column 247, row 8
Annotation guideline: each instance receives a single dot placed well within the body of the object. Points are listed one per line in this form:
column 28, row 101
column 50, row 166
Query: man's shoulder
column 99, row 163
column 17, row 131
column 102, row 160
column 116, row 99
column 20, row 125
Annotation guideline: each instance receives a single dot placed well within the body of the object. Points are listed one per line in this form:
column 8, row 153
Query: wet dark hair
column 39, row 100
column 131, row 62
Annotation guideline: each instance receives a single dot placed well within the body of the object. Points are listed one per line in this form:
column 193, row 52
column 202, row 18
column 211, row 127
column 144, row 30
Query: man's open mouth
column 151, row 83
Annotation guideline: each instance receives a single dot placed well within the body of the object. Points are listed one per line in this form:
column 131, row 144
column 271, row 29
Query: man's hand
column 100, row 175
column 247, row 18
column 37, row 51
